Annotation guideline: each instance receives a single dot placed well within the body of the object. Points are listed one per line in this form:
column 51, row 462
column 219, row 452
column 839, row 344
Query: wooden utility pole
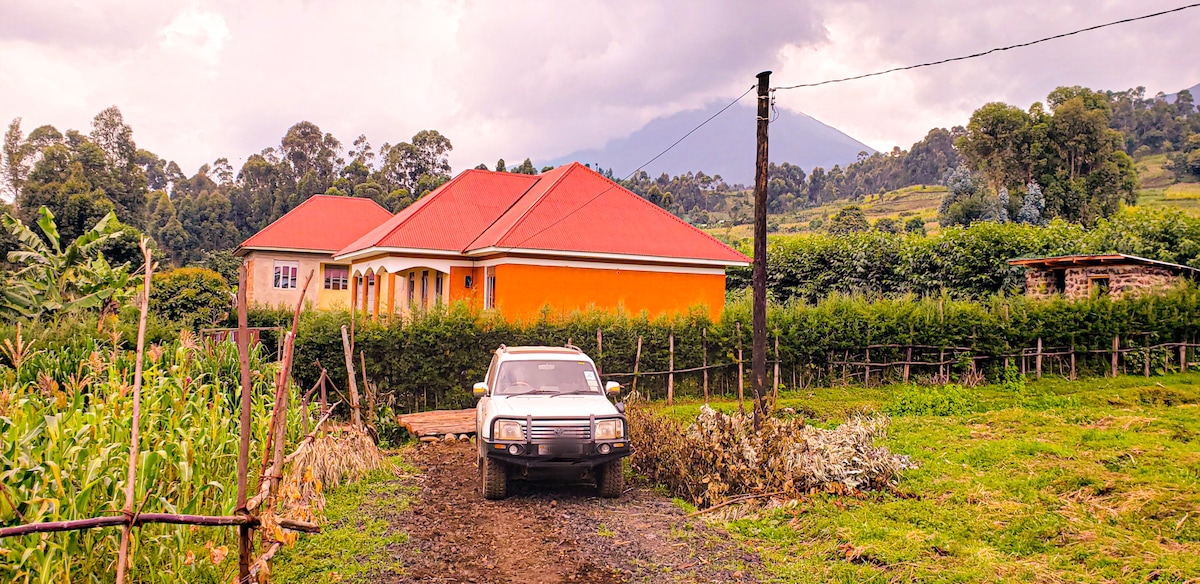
column 758, row 350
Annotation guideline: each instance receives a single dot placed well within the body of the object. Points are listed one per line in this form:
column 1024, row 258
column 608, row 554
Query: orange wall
column 458, row 289
column 522, row 290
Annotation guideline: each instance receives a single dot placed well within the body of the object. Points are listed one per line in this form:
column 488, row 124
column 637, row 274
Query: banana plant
column 55, row 279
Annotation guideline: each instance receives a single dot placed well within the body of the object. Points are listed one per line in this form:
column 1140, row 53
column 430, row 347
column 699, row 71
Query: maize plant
column 65, row 423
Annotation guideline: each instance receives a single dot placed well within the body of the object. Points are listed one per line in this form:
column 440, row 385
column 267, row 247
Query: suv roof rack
column 573, row 347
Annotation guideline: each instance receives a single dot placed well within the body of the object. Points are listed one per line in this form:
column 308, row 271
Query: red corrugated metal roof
column 569, row 209
column 451, row 216
column 323, row 223
column 580, row 210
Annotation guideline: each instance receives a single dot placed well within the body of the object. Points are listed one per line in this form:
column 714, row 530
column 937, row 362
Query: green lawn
column 357, row 542
column 1087, row 481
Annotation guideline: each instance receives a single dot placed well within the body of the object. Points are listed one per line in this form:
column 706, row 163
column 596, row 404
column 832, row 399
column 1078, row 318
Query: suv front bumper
column 534, row 452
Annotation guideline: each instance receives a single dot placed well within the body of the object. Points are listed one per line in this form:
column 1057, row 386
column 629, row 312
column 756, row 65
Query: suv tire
column 495, row 478
column 610, row 479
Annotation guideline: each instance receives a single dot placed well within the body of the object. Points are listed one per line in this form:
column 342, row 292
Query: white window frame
column 344, row 280
column 288, row 280
column 489, row 287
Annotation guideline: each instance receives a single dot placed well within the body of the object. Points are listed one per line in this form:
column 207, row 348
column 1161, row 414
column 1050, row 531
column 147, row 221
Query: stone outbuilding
column 1115, row 274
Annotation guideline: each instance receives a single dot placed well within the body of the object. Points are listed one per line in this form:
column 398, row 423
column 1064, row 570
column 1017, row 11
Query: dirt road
column 561, row 533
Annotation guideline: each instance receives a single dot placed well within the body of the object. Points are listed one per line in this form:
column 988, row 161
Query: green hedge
column 964, row 262
column 432, row 360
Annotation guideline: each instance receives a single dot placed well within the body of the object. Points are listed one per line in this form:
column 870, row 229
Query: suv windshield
column 546, row 378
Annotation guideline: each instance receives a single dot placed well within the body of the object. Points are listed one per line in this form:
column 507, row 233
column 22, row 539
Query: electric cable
column 990, row 51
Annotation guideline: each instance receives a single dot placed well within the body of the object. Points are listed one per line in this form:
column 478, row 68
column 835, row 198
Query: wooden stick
column 1038, row 358
column 245, row 541
column 636, row 361
column 775, row 391
column 347, row 347
column 1116, row 351
column 130, row 487
column 141, row 519
column 907, row 363
column 704, row 363
column 671, row 368
column 367, row 389
column 741, row 373
column 599, row 351
column 732, row 501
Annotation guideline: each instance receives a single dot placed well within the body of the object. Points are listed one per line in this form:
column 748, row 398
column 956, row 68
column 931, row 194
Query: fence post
column 245, row 542
column 130, row 486
column 1072, row 362
column 775, row 392
column 1115, row 353
column 1183, row 364
column 599, row 350
column 636, row 360
column 356, row 414
column 324, row 396
column 704, row 361
column 942, row 364
column 1038, row 360
column 362, row 357
column 867, row 368
column 671, row 368
column 741, row 373
column 1146, row 369
column 907, row 362
column 845, row 366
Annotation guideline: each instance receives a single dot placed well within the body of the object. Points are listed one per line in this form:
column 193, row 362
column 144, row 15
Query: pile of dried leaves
column 721, row 455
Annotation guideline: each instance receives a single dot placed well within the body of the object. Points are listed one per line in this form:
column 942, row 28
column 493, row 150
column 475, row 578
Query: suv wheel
column 495, row 478
column 610, row 479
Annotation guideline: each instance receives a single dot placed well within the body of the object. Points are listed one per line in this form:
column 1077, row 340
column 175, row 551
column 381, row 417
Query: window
column 489, row 287
column 412, row 287
column 337, row 277
column 285, row 274
column 1098, row 286
column 437, row 288
column 425, row 288
column 1060, row 281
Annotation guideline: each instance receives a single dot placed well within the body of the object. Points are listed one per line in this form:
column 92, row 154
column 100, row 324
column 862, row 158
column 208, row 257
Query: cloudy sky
column 201, row 79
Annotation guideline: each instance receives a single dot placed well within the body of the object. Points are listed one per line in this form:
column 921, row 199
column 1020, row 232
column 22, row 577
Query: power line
column 635, row 171
column 990, row 51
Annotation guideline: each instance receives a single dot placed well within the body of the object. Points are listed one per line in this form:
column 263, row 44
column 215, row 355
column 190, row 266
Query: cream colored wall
column 260, row 271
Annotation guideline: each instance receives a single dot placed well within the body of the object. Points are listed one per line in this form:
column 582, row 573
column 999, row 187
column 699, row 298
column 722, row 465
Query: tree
column 54, row 279
column 500, row 166
column 526, row 167
column 1033, row 207
column 966, row 200
column 887, row 225
column 915, row 225
column 418, row 167
column 849, row 219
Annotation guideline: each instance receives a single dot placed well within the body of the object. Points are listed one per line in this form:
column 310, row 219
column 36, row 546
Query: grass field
column 1053, row 481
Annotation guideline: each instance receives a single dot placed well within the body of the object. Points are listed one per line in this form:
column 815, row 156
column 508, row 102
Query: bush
column 196, row 296
column 949, row 400
column 721, row 456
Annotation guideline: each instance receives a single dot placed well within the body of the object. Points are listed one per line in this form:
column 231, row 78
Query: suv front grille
column 561, row 431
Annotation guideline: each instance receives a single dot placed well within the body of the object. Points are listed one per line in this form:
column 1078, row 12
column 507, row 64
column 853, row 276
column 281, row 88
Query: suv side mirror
column 612, row 388
column 480, row 389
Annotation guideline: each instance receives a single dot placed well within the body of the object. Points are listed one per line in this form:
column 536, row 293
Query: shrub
column 191, row 295
column 720, row 455
column 948, row 400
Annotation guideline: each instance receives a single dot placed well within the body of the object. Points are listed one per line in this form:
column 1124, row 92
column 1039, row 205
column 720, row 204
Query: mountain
column 724, row 146
column 1194, row 90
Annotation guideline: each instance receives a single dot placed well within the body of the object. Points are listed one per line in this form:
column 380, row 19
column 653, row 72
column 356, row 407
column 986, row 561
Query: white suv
column 544, row 410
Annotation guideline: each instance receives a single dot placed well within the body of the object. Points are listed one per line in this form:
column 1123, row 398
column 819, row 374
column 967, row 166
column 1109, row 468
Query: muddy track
column 550, row 534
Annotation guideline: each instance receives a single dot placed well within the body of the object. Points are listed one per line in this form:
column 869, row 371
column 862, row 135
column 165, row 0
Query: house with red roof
column 304, row 240
column 568, row 239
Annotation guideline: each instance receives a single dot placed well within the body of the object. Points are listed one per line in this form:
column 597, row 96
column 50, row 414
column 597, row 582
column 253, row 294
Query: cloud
column 898, row 109
column 201, row 79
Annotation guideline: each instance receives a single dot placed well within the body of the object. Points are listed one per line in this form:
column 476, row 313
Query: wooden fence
column 244, row 517
column 901, row 363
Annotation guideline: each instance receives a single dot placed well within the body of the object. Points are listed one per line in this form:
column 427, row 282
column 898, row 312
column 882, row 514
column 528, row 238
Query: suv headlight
column 608, row 429
column 509, row 430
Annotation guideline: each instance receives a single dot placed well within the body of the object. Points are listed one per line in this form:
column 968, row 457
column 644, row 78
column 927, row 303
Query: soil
column 551, row 533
